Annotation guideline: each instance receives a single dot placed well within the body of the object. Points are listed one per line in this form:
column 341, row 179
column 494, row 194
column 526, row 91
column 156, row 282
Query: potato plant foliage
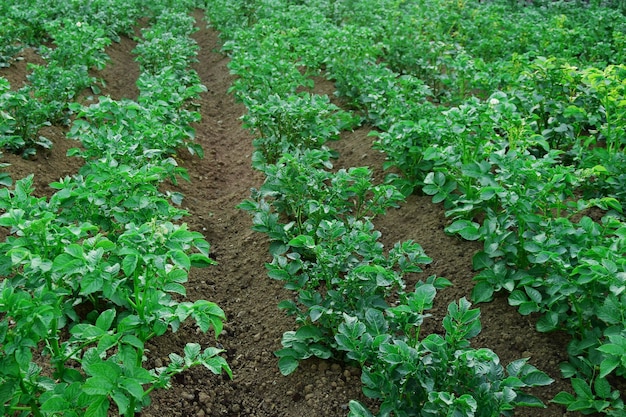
column 97, row 270
column 508, row 114
column 506, row 133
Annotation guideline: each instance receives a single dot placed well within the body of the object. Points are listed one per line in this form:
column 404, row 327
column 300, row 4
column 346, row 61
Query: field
column 232, row 180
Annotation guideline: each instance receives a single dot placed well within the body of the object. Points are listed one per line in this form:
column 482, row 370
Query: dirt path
column 240, row 285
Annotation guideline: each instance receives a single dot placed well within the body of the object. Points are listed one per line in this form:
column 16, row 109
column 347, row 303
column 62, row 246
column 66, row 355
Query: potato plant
column 323, row 244
column 97, row 270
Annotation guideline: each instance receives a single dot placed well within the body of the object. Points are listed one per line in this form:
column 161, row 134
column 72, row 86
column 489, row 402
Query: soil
column 239, row 284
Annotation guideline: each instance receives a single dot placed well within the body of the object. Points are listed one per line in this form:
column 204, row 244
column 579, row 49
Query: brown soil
column 239, row 283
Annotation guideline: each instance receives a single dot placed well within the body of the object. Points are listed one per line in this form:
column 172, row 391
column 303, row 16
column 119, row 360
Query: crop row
column 533, row 169
column 71, row 38
column 98, row 269
column 350, row 298
column 520, row 137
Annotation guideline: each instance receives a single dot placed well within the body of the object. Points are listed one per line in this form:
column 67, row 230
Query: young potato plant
column 10, row 43
column 167, row 43
column 130, row 132
column 111, row 195
column 160, row 120
column 434, row 375
column 98, row 270
column 58, row 86
column 609, row 86
column 284, row 124
column 78, row 48
column 342, row 270
column 21, row 118
column 178, row 88
column 77, row 43
column 326, row 253
column 111, row 292
column 302, row 188
column 265, row 61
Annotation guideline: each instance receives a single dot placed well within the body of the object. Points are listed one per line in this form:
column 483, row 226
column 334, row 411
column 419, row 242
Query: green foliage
column 22, row 117
column 437, row 375
column 283, row 125
column 167, row 43
column 97, row 270
column 349, row 293
column 54, row 263
column 303, row 188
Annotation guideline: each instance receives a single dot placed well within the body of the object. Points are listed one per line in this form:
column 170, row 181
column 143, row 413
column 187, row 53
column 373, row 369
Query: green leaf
column 159, row 327
column 517, row 297
column 302, row 241
column 278, row 274
column 74, row 250
column 422, row 298
column 133, row 387
column 287, row 365
column 320, row 351
column 376, row 322
column 548, row 322
column 216, row 364
column 352, row 328
column 526, row 400
column 129, row 264
column 107, row 341
column 528, row 308
column 90, row 283
column 515, row 368
column 98, row 407
column 563, row 398
column 467, row 229
column 533, row 294
column 55, row 404
column 537, row 378
column 513, row 381
column 481, row 260
column 608, row 365
column 612, row 349
column 199, row 260
column 309, row 332
column 133, row 340
column 482, row 292
column 582, row 389
column 105, row 319
column 98, row 386
column 602, row 388
column 192, row 351
column 107, row 370
column 7, row 389
column 180, row 258
column 358, row 410
column 175, row 288
column 86, row 331
column 208, row 314
column 122, row 402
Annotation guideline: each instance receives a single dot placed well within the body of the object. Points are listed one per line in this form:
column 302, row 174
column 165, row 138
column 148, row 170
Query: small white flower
column 494, row 101
column 79, row 24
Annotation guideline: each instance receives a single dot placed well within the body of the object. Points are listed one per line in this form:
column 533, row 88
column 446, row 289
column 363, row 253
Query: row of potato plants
column 522, row 170
column 526, row 155
column 93, row 273
column 350, row 299
column 71, row 38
